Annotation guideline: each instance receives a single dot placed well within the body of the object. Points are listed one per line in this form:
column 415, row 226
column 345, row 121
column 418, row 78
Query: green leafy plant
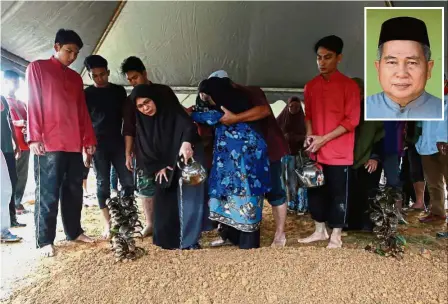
column 124, row 227
column 384, row 217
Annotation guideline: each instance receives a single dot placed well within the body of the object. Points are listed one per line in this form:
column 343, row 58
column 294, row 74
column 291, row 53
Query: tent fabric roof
column 29, row 27
column 268, row 44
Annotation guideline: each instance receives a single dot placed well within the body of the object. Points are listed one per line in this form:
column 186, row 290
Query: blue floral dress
column 239, row 177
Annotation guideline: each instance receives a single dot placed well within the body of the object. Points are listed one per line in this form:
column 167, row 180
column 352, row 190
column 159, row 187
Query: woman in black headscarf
column 239, row 177
column 164, row 133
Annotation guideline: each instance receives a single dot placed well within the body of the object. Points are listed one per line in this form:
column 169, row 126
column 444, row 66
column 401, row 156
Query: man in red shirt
column 18, row 116
column 332, row 113
column 59, row 130
column 277, row 148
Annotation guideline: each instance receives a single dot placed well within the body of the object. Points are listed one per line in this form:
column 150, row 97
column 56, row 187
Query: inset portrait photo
column 404, row 63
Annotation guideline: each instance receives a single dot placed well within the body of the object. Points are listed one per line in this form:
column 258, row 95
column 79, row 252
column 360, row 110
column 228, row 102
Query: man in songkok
column 404, row 65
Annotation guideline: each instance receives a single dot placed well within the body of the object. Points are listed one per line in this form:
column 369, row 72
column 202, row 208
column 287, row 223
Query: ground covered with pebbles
column 87, row 273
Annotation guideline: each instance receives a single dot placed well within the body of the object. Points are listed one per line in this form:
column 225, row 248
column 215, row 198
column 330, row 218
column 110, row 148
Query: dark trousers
column 328, row 203
column 391, row 166
column 11, row 163
column 22, row 176
column 102, row 161
column 412, row 172
column 244, row 240
column 58, row 176
column 362, row 186
column 113, row 179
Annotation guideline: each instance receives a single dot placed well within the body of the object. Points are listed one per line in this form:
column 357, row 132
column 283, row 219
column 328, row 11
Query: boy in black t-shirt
column 105, row 103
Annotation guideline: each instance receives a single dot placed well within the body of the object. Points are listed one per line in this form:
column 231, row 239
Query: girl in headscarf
column 164, row 133
column 292, row 122
column 239, row 176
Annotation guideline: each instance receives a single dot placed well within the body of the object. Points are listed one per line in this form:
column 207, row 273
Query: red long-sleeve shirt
column 18, row 112
column 57, row 110
column 329, row 104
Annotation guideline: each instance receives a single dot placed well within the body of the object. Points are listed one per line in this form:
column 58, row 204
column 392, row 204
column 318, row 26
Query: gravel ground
column 86, row 273
column 289, row 275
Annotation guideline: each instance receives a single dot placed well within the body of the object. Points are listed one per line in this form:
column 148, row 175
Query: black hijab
column 225, row 95
column 159, row 137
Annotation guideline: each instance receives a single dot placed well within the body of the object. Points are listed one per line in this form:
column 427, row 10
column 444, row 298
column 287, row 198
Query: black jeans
column 328, row 203
column 102, row 161
column 58, row 175
column 11, row 163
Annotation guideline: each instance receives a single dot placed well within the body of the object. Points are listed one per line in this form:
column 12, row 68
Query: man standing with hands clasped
column 332, row 114
column 59, row 129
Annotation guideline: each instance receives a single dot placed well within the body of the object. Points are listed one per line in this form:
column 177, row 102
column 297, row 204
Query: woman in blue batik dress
column 239, row 177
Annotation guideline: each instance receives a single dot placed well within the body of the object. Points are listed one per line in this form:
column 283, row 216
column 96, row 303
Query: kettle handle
column 180, row 163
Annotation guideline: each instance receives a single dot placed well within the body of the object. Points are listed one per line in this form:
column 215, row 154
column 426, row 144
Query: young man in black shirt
column 105, row 102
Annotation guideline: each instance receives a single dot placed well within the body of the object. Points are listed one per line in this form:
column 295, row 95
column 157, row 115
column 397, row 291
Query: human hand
column 37, row 148
column 186, row 151
column 87, row 158
column 229, row 118
column 307, row 141
column 371, row 165
column 90, row 150
column 442, row 147
column 162, row 174
column 315, row 143
column 129, row 162
column 17, row 152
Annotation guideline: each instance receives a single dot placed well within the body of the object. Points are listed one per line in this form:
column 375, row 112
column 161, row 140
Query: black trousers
column 328, row 203
column 412, row 172
column 11, row 163
column 102, row 161
column 244, row 240
column 58, row 176
column 362, row 186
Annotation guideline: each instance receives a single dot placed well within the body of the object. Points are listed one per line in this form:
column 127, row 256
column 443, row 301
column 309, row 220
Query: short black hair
column 64, row 36
column 95, row 61
column 294, row 98
column 332, row 43
column 132, row 64
column 10, row 74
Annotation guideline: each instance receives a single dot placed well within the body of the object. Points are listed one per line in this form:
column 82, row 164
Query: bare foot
column 47, row 251
column 84, row 238
column 106, row 233
column 279, row 241
column 147, row 231
column 315, row 237
column 335, row 242
column 418, row 206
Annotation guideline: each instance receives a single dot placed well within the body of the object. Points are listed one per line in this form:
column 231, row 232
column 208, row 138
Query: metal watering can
column 310, row 173
column 193, row 173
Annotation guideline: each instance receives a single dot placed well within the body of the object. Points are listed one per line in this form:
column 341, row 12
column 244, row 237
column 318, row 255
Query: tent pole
column 107, row 30
column 191, row 90
column 14, row 58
